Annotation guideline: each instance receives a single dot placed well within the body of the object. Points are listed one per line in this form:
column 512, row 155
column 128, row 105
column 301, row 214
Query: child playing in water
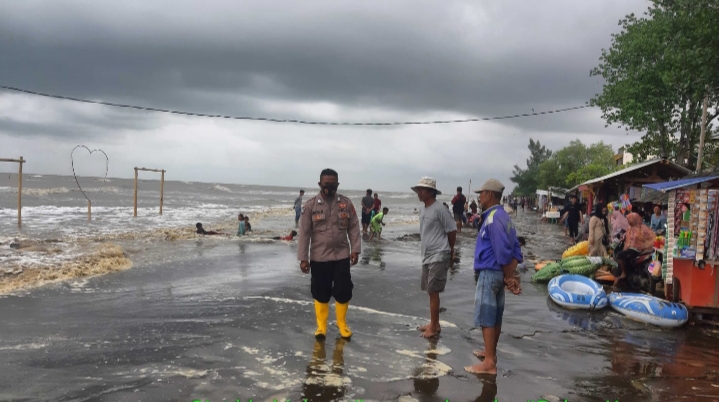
column 241, row 228
column 376, row 224
column 248, row 227
column 286, row 238
column 201, row 230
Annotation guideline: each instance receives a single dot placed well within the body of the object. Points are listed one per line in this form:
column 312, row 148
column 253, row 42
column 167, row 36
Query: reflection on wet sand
column 583, row 319
column 373, row 254
column 426, row 384
column 326, row 382
column 667, row 363
column 489, row 388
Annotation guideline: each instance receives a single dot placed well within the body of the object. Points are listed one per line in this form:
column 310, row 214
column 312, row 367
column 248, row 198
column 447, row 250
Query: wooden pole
column 162, row 190
column 89, row 210
column 135, row 213
column 19, row 193
column 703, row 131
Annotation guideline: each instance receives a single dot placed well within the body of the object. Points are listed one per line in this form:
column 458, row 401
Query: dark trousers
column 573, row 229
column 331, row 279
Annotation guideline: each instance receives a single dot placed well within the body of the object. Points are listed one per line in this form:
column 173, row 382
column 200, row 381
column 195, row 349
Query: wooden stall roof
column 651, row 171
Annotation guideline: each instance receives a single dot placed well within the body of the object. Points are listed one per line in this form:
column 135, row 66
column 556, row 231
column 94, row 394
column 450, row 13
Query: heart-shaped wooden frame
column 104, row 180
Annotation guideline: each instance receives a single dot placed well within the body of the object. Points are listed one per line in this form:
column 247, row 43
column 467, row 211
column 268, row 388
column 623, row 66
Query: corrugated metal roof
column 675, row 184
column 632, row 168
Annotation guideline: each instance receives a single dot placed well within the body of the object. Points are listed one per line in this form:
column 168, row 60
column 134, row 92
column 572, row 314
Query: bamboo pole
column 703, row 131
column 19, row 193
column 150, row 170
column 162, row 190
column 135, row 213
column 89, row 210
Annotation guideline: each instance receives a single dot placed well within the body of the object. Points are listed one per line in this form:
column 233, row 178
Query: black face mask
column 329, row 189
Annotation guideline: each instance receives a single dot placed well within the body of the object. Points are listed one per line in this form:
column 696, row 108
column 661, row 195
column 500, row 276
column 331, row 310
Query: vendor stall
column 692, row 246
column 626, row 184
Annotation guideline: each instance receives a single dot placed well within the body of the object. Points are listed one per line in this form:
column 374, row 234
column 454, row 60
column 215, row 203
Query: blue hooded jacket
column 497, row 242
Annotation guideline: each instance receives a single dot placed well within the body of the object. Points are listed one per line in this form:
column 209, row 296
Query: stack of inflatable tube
column 577, row 292
column 649, row 309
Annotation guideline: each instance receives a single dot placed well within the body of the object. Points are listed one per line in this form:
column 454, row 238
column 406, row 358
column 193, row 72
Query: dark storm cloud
column 411, row 57
column 40, row 117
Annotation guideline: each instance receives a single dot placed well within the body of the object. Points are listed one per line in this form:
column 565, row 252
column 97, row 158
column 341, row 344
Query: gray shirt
column 435, row 222
column 298, row 202
column 368, row 202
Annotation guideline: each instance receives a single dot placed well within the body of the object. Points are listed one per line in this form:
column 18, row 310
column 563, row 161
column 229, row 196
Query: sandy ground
column 233, row 320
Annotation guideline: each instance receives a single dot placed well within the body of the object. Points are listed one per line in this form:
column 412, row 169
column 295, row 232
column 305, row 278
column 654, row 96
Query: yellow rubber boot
column 322, row 311
column 341, row 311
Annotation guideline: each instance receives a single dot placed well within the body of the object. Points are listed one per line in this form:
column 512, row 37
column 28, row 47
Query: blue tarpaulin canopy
column 675, row 184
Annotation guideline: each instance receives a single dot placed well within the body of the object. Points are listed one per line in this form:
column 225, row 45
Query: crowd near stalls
column 656, row 221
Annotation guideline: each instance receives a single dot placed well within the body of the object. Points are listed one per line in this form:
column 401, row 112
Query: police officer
column 326, row 222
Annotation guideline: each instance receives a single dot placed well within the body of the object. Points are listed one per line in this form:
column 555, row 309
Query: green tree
column 656, row 74
column 527, row 179
column 575, row 164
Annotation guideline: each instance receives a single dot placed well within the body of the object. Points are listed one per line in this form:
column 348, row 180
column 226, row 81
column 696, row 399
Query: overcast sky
column 313, row 60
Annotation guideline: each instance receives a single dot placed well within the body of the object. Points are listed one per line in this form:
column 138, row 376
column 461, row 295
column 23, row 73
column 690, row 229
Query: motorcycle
column 637, row 273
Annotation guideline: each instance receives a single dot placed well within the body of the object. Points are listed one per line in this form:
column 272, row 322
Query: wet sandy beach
column 233, row 320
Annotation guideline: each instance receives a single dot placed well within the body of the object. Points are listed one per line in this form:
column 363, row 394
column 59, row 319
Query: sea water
column 55, row 228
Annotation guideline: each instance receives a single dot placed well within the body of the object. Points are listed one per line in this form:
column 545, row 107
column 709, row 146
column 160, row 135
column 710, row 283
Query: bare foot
column 486, row 367
column 480, row 354
column 425, row 327
column 430, row 332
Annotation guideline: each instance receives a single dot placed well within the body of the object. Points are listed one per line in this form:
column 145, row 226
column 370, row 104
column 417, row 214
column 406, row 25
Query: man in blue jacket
column 495, row 260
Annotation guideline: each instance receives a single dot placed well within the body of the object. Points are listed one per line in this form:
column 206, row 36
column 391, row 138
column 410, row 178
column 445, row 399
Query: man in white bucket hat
column 438, row 232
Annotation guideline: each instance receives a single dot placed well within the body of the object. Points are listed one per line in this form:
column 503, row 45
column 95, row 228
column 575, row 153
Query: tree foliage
column 571, row 165
column 656, row 74
column 527, row 179
column 575, row 164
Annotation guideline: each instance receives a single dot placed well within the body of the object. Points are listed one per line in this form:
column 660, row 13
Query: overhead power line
column 268, row 119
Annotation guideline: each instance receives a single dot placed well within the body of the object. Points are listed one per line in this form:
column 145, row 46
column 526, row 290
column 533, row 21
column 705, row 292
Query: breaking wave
column 221, row 188
column 107, row 258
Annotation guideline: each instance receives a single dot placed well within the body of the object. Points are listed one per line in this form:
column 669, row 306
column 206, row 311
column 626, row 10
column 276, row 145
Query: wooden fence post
column 135, row 213
column 162, row 190
column 19, row 193
column 162, row 186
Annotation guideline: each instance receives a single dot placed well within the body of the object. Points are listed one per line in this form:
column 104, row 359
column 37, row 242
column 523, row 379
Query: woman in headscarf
column 619, row 223
column 639, row 240
column 597, row 231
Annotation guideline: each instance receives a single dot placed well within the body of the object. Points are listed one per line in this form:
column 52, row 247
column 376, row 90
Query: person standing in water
column 438, row 233
column 496, row 256
column 367, row 207
column 298, row 207
column 329, row 243
column 458, row 208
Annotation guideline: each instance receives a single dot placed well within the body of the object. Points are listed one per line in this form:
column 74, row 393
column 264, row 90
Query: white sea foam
column 41, row 192
column 221, row 188
column 25, row 346
column 363, row 309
